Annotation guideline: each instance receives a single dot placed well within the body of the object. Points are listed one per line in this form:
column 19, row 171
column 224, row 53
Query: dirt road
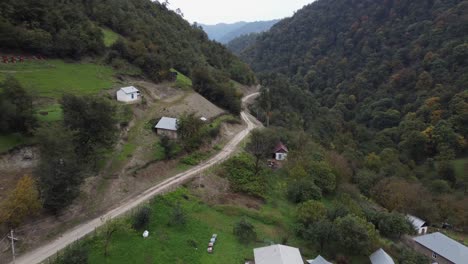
column 42, row 253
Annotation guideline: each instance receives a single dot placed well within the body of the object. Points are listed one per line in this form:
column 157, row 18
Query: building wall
column 127, row 98
column 422, row 230
column 281, row 156
column 169, row 133
column 428, row 253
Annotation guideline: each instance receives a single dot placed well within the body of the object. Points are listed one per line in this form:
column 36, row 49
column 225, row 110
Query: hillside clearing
column 110, row 37
column 53, row 78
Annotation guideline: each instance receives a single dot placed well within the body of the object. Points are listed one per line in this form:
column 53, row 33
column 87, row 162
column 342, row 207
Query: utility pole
column 13, row 238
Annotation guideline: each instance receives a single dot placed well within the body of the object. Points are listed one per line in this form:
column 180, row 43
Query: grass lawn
column 182, row 81
column 110, row 37
column 173, row 244
column 49, row 113
column 53, row 78
column 10, row 141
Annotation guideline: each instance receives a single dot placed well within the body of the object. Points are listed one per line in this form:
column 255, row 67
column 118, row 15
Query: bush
column 178, row 217
column 303, row 190
column 142, row 218
column 76, row 254
column 245, row 231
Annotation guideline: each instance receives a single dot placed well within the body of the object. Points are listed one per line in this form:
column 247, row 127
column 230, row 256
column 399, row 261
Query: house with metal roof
column 441, row 249
column 277, row 254
column 128, row 94
column 280, row 151
column 418, row 224
column 318, row 260
column 167, row 126
column 381, row 257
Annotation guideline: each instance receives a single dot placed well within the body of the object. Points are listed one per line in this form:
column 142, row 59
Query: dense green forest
column 239, row 44
column 151, row 37
column 383, row 83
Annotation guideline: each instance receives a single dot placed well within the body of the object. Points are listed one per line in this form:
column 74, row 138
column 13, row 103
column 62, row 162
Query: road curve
column 42, row 253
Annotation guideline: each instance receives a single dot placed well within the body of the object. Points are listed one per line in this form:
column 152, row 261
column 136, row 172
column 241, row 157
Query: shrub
column 141, row 218
column 245, row 231
column 303, row 190
column 76, row 254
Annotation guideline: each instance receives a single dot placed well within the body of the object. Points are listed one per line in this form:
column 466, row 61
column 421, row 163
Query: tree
column 111, row 226
column 21, row 203
column 303, row 190
column 260, row 146
column 321, row 233
column 244, row 231
column 323, row 176
column 170, row 147
column 393, row 225
column 142, row 218
column 310, row 212
column 94, row 121
column 355, row 235
column 60, row 174
column 189, row 131
column 16, row 108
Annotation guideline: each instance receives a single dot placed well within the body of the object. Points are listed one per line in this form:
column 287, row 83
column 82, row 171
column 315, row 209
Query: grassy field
column 49, row 113
column 53, row 78
column 460, row 166
column 110, row 37
column 8, row 142
column 182, row 81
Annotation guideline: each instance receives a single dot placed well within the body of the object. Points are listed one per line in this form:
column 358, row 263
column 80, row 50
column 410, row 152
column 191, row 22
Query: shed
column 167, row 126
column 277, row 254
column 381, row 257
column 318, row 260
column 418, row 224
column 280, row 151
column 128, row 94
column 441, row 249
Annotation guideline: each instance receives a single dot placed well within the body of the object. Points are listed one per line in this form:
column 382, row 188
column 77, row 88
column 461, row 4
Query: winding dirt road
column 42, row 253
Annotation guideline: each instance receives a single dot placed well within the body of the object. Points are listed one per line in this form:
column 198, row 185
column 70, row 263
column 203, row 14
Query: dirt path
column 42, row 253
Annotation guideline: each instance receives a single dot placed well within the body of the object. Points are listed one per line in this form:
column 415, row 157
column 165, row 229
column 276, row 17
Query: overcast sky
column 229, row 11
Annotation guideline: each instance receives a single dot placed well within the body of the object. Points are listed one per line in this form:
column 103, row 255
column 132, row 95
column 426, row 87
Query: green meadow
column 53, row 78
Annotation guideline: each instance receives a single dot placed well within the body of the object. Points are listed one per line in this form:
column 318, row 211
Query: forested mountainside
column 241, row 43
column 382, row 82
column 152, row 37
column 249, row 28
column 224, row 33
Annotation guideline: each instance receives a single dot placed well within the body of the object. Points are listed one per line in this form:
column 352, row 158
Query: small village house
column 418, row 224
column 318, row 260
column 381, row 257
column 441, row 249
column 167, row 126
column 280, row 151
column 128, row 94
column 277, row 254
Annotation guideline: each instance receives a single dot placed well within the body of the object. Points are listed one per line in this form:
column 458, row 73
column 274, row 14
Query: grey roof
column 277, row 254
column 445, row 247
column 318, row 260
column 167, row 123
column 416, row 222
column 381, row 257
column 129, row 89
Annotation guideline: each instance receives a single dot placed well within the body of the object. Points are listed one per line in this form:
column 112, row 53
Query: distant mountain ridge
column 224, row 33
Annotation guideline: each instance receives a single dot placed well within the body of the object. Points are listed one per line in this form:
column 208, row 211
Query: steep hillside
column 253, row 27
column 241, row 43
column 224, row 33
column 151, row 37
column 383, row 82
column 217, row 32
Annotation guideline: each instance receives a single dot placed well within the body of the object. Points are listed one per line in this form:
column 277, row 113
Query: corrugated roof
column 319, row 260
column 129, row 89
column 416, row 222
column 167, row 123
column 381, row 257
column 445, row 247
column 281, row 147
column 277, row 254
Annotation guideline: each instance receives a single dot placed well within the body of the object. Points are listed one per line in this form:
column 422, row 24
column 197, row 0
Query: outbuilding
column 381, row 257
column 418, row 224
column 128, row 95
column 167, row 126
column 280, row 151
column 277, row 254
column 441, row 249
column 318, row 260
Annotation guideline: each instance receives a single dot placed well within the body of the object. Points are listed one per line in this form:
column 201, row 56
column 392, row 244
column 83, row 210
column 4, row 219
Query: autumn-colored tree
column 22, row 202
